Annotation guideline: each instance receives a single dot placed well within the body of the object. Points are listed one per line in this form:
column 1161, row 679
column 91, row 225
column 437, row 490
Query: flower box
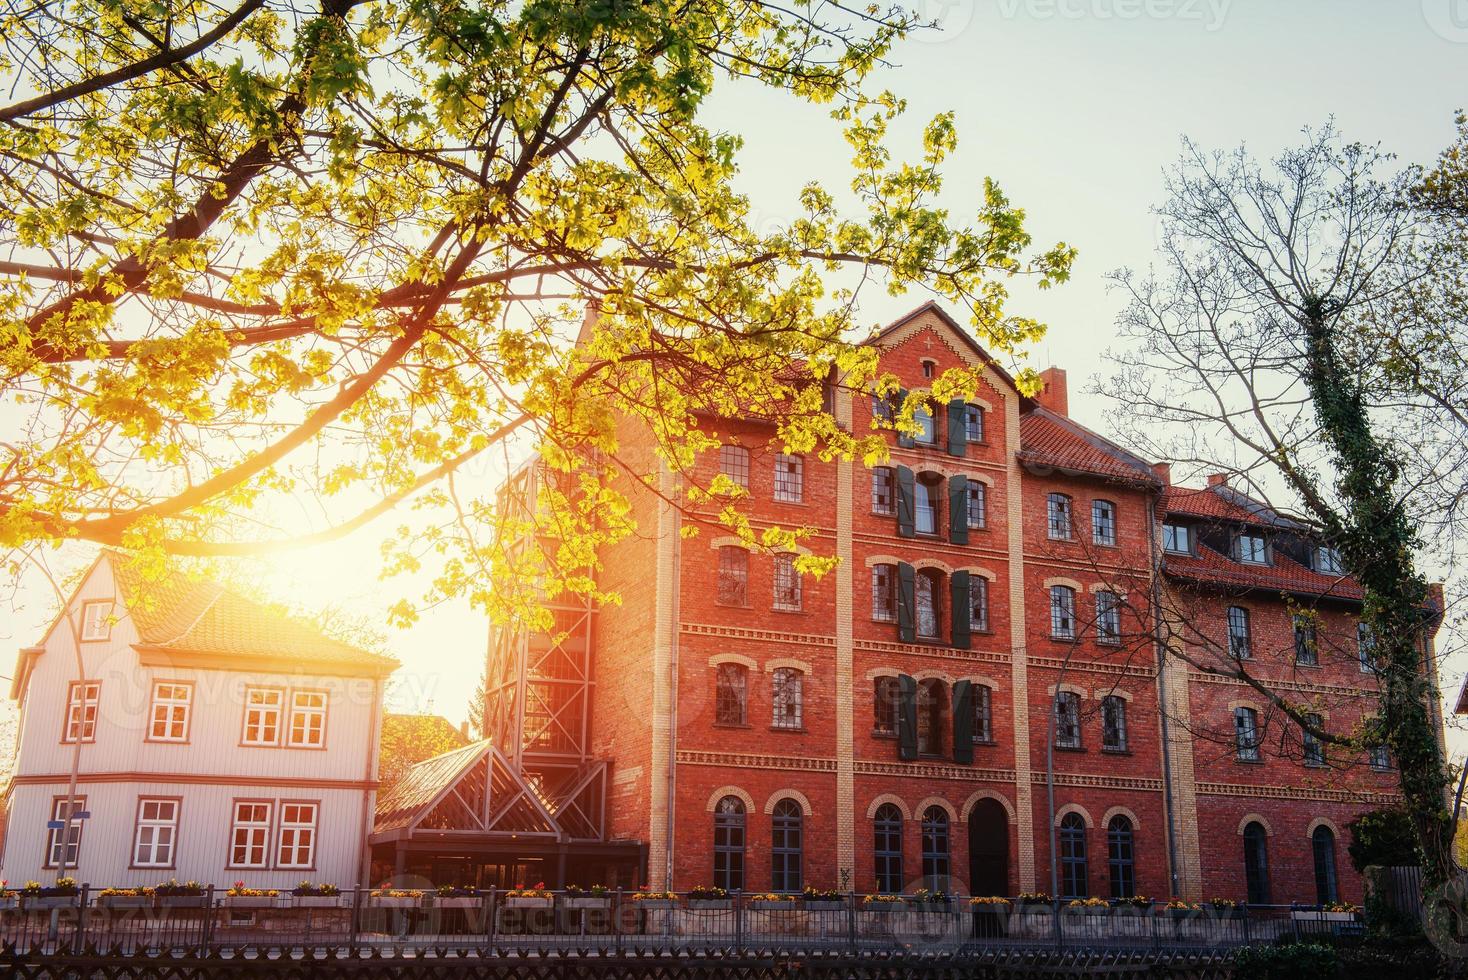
column 655, row 903
column 528, row 902
column 1309, row 915
column 125, row 901
column 316, row 901
column 824, row 905
column 710, row 904
column 921, row 905
column 182, row 901
column 1182, row 913
column 46, row 902
column 395, row 901
column 250, row 901
column 883, row 906
column 457, row 901
column 587, row 902
column 9, row 903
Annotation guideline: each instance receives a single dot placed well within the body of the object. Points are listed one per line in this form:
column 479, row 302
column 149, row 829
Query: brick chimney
column 1053, row 395
column 1163, row 472
column 1218, row 479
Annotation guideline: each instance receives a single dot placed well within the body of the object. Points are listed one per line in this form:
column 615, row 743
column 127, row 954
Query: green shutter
column 906, row 503
column 906, row 603
column 958, row 509
column 961, row 610
column 907, row 747
column 963, row 722
column 903, row 439
column 957, row 428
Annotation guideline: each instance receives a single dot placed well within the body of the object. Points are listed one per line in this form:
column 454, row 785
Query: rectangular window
column 81, row 711
column 1177, row 538
column 733, row 576
column 1062, row 612
column 730, row 694
column 97, row 620
column 1366, row 648
column 978, row 598
column 881, row 409
column 1379, row 756
column 1240, row 647
column 983, row 713
column 1252, row 549
column 884, row 491
column 308, row 720
column 169, row 714
column 1306, row 649
column 734, row 464
column 977, row 504
column 1314, row 748
column 1246, row 734
column 927, row 433
column 886, row 699
column 155, row 839
column 296, row 846
column 1328, row 561
column 973, row 423
column 1108, row 617
column 1067, row 720
column 787, row 583
column 786, row 698
column 1103, row 522
column 789, row 478
column 263, row 706
column 884, row 594
column 1057, row 509
column 63, row 846
column 1113, row 723
column 249, row 835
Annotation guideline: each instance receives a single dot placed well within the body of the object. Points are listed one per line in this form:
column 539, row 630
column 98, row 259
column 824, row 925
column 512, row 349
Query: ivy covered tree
column 332, row 252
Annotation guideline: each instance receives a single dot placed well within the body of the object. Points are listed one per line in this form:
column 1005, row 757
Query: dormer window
column 1177, row 538
column 1328, row 561
column 1252, row 548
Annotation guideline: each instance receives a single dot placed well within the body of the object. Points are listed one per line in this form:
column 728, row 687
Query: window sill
column 1063, row 639
column 733, row 724
column 787, row 728
column 1306, row 663
column 1070, row 748
column 1249, row 762
column 1070, row 539
column 789, row 612
column 1106, row 544
column 884, row 622
column 1108, row 642
column 732, row 605
column 1116, row 751
column 985, row 743
column 884, row 736
column 793, row 503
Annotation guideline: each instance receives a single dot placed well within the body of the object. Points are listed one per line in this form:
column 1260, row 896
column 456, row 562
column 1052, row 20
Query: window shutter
column 904, row 440
column 907, row 747
column 906, row 502
column 962, row 610
column 963, row 722
column 906, row 603
column 957, row 428
column 958, row 509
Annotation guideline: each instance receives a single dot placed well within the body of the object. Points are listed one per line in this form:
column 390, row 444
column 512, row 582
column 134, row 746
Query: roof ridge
column 1098, row 441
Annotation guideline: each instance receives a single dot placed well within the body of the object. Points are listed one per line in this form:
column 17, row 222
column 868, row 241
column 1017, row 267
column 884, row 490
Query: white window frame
column 1062, row 612
column 262, row 710
column 976, row 504
column 973, row 422
column 1263, row 551
column 1059, row 517
column 170, row 711
column 156, row 828
column 81, row 711
column 307, row 712
column 1107, row 540
column 1246, row 736
column 53, row 858
column 1174, row 532
column 787, row 698
column 290, row 831
column 787, row 594
column 96, row 620
column 734, row 464
column 252, row 827
column 789, row 478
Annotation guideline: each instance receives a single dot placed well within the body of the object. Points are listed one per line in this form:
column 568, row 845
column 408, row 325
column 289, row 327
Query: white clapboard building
column 219, row 741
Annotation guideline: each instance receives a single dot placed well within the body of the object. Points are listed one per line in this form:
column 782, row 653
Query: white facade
column 199, row 766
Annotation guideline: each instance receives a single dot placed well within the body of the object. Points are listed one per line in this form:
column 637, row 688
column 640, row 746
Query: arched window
column 935, row 849
column 1073, row 856
column 785, row 847
column 789, row 478
column 931, row 705
column 884, row 490
column 731, row 694
column 887, row 827
column 733, row 576
column 928, row 590
column 1113, row 723
column 1057, row 512
column 787, row 583
column 1121, row 857
column 1322, row 845
column 1103, row 522
column 1062, row 612
column 1067, row 720
column 978, row 599
column 734, row 463
column 886, row 703
column 787, row 698
column 729, row 844
column 977, row 505
column 1246, row 734
column 983, row 697
column 927, row 428
column 1256, row 864
column 927, row 497
column 1240, row 645
column 884, row 593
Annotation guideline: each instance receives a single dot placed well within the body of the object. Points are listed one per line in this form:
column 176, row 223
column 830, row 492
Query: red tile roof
column 1048, row 439
column 1223, row 503
column 1285, row 575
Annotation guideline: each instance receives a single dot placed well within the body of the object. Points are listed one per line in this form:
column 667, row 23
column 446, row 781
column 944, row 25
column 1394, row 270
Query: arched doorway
column 988, row 848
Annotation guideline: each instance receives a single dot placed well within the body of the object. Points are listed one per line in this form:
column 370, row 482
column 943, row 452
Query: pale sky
column 1074, row 107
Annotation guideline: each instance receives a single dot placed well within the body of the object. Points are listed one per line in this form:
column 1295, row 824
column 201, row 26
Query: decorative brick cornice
column 946, row 653
column 933, row 770
column 1300, row 687
column 763, row 636
column 788, row 763
column 1128, row 670
column 1318, row 794
column 1100, row 782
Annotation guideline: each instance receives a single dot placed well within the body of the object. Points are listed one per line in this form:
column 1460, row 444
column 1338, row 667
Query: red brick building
column 976, row 686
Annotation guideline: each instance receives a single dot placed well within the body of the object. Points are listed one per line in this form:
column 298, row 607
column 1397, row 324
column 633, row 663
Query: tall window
column 925, row 512
column 928, row 591
column 1306, row 651
column 1062, row 612
column 1379, row 757
column 731, row 694
column 296, row 843
column 1103, row 522
column 983, row 697
column 1057, row 509
column 1108, row 617
column 63, row 845
column 881, row 408
column 789, row 478
column 1322, row 847
column 249, row 835
column 1067, row 720
column 308, row 720
column 1177, row 538
column 1366, row 648
column 1246, row 734
column 886, row 699
column 884, row 493
column 96, row 620
column 169, row 712
column 1240, row 646
column 729, row 844
column 1073, row 857
column 1121, row 857
column 973, row 423
column 884, row 593
column 156, row 833
column 733, row 576
column 1252, row 549
column 887, row 830
column 785, row 847
column 81, row 711
column 263, row 708
column 936, row 868
column 977, row 503
column 931, row 698
column 927, row 429
column 734, row 463
column 787, row 583
column 1314, row 749
column 978, row 601
column 1113, row 723
column 1256, row 864
column 786, row 697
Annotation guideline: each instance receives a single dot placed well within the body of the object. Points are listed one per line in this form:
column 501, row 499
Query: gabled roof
column 1049, row 439
column 932, row 306
column 424, row 783
column 1285, row 575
